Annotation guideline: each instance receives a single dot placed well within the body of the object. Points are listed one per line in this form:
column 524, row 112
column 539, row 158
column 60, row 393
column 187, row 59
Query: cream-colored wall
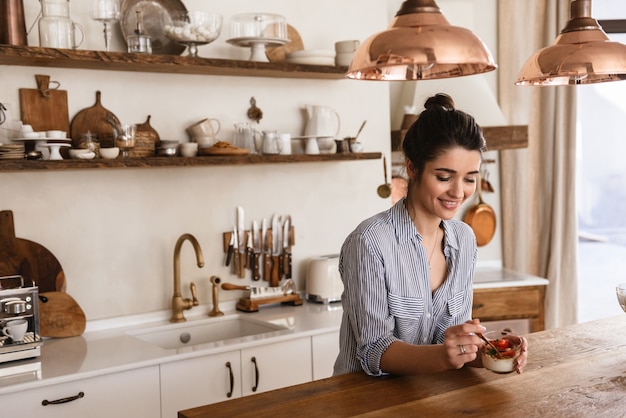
column 114, row 230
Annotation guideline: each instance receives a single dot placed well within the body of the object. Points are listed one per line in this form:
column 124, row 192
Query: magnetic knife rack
column 275, row 274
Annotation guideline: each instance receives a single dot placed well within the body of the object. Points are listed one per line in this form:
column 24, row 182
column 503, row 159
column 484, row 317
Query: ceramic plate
column 151, row 14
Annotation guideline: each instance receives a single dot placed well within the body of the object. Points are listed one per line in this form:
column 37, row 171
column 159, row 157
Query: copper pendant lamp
column 581, row 54
column 420, row 44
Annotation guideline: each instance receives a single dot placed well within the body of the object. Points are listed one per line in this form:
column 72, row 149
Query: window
column 601, row 188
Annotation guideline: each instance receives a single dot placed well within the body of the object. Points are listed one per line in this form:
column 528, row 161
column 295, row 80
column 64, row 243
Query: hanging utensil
column 482, row 219
column 484, row 181
column 384, row 190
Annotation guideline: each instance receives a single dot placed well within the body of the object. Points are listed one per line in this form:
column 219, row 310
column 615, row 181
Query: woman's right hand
column 462, row 345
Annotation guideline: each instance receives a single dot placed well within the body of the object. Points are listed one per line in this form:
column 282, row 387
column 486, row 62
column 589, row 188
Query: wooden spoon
column 384, row 190
column 490, row 344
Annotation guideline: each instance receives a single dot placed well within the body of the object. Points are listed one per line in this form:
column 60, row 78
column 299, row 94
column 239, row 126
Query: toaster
column 323, row 282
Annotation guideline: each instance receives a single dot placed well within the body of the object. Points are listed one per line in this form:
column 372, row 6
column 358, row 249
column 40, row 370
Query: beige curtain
column 539, row 225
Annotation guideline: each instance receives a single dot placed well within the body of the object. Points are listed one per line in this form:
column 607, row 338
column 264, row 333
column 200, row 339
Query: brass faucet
column 178, row 303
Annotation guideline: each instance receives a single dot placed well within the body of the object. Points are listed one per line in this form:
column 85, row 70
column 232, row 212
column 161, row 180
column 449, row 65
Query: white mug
column 285, row 143
column 15, row 329
column 206, row 128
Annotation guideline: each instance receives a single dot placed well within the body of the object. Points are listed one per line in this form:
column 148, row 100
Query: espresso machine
column 19, row 303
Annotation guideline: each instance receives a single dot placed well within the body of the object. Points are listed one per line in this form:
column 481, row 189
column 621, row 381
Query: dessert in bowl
column 502, row 357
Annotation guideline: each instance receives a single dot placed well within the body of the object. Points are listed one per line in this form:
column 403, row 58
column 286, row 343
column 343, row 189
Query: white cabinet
column 325, row 351
column 274, row 366
column 133, row 393
column 200, row 381
column 204, row 380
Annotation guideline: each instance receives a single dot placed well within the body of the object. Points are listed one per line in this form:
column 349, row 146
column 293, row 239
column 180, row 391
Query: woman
column 407, row 272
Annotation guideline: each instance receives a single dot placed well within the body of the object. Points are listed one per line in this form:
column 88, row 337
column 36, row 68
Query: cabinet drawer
column 133, row 393
column 510, row 302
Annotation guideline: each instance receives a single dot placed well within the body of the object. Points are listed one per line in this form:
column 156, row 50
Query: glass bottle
column 139, row 42
column 56, row 29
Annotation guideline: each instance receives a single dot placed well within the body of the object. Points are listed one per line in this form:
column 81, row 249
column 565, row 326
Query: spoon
column 490, row 344
column 384, row 190
column 360, row 129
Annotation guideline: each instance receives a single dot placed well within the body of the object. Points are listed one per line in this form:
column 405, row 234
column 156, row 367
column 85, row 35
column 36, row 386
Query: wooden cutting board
column 34, row 262
column 60, row 315
column 96, row 119
column 44, row 109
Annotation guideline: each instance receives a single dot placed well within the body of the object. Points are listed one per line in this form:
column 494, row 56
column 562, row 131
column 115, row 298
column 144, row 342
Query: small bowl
column 109, row 153
column 30, row 135
column 189, row 149
column 54, row 134
column 509, row 346
column 82, row 153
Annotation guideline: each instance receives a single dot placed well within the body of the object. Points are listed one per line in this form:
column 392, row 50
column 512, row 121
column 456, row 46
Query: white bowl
column 31, row 135
column 82, row 153
column 54, row 134
column 311, row 57
column 109, row 153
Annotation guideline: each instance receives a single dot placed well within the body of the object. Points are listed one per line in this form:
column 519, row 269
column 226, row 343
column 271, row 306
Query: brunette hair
column 438, row 128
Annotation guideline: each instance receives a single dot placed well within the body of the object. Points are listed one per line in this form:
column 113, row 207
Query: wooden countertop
column 572, row 371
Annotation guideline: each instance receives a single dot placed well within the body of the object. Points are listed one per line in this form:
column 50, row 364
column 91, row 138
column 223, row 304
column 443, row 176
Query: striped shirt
column 385, row 273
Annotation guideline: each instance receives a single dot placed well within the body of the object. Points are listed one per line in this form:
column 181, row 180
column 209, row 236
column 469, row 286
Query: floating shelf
column 27, row 165
column 174, row 64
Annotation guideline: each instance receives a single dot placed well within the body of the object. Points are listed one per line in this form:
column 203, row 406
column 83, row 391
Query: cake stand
column 257, row 45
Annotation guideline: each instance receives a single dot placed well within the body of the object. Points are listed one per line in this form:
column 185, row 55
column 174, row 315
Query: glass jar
column 56, row 29
column 89, row 141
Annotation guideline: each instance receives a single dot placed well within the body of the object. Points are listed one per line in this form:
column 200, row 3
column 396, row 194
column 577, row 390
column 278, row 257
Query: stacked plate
column 311, row 57
column 11, row 151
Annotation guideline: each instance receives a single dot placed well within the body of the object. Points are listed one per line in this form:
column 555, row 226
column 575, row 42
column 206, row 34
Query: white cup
column 189, row 149
column 205, row 128
column 285, row 143
column 15, row 329
column 347, row 46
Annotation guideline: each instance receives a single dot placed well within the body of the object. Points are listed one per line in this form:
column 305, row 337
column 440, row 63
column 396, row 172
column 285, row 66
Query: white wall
column 114, row 230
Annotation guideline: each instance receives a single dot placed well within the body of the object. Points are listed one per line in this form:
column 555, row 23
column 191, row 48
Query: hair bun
column 439, row 100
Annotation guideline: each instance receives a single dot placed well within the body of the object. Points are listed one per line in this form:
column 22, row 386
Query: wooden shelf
column 175, row 64
column 26, row 165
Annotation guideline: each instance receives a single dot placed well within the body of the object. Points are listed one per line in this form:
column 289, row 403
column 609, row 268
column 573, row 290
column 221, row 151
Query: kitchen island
column 573, row 371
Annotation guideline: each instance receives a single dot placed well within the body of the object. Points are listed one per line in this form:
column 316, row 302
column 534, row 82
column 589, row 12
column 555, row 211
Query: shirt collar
column 405, row 230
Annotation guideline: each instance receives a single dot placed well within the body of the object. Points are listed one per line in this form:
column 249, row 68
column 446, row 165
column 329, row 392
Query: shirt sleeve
column 363, row 274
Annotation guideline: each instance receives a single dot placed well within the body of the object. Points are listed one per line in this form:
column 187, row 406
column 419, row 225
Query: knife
column 242, row 244
column 266, row 251
column 249, row 252
column 276, row 247
column 231, row 245
column 236, row 251
column 256, row 251
column 287, row 248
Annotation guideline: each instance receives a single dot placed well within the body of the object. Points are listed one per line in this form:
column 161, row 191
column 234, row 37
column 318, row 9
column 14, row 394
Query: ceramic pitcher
column 56, row 29
column 321, row 121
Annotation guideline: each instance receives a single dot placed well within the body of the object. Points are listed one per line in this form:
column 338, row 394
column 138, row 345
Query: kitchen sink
column 215, row 331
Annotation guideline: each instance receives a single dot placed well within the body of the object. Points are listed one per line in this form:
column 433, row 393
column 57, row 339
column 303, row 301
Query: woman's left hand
column 520, row 362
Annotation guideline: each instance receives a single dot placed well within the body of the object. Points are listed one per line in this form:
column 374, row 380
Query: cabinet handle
column 232, row 379
column 63, row 400
column 256, row 375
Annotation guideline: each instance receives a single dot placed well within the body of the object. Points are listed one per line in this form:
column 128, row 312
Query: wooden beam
column 497, row 137
column 506, row 137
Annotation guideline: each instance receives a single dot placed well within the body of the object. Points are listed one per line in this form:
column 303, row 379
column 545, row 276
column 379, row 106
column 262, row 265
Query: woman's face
column 446, row 183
